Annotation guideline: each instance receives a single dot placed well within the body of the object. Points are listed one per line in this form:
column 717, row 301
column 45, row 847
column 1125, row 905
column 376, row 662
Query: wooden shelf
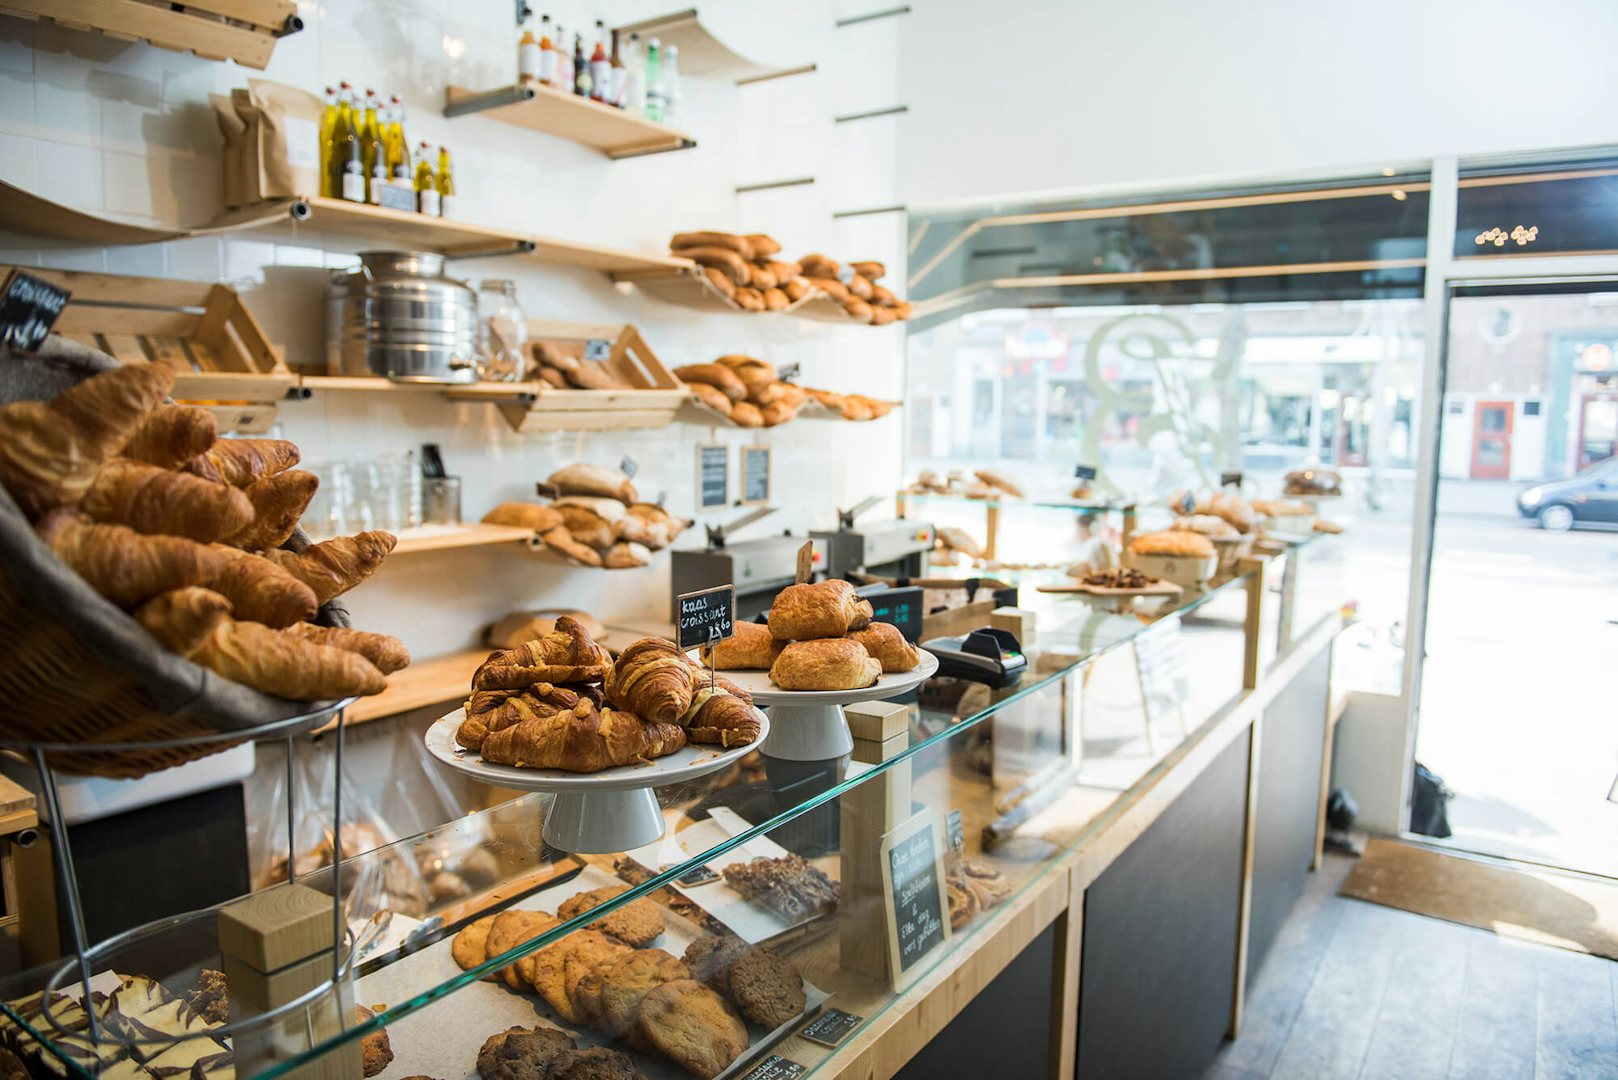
column 373, row 384
column 612, row 131
column 241, row 30
column 701, row 53
column 443, row 537
column 690, row 288
column 440, row 680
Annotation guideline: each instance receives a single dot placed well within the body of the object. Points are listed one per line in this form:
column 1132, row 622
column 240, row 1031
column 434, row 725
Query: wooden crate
column 225, row 361
column 653, row 398
column 241, row 30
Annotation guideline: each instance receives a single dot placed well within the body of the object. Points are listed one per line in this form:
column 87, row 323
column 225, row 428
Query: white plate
column 764, row 692
column 687, row 763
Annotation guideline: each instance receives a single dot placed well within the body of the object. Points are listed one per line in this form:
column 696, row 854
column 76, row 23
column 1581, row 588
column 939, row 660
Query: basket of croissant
column 154, row 585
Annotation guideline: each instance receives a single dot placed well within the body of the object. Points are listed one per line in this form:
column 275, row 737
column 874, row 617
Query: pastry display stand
column 809, row 725
column 993, row 505
column 51, row 757
column 593, row 813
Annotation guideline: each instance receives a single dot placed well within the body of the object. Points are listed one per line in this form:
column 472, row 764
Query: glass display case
column 793, row 902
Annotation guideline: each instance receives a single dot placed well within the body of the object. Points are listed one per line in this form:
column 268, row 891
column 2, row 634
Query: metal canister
column 398, row 315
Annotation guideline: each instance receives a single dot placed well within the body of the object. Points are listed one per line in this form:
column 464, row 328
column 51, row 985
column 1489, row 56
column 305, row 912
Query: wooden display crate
column 652, row 397
column 225, row 361
column 241, row 30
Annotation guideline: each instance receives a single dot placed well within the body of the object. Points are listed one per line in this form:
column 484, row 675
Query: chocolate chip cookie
column 594, row 1063
column 510, row 929
column 710, row 959
column 557, row 969
column 612, row 993
column 520, row 1053
column 637, row 923
column 766, row 988
column 469, row 948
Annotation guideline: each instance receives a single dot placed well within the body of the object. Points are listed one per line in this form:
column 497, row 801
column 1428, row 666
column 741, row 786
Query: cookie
column 613, row 992
column 695, row 1027
column 520, row 1053
column 558, row 969
column 469, row 947
column 710, row 959
column 375, row 1050
column 766, row 988
column 510, row 929
column 637, row 923
column 594, row 1063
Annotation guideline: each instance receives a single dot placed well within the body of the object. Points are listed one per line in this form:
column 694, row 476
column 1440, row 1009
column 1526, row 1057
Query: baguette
column 796, row 288
column 882, row 316
column 858, row 308
column 722, row 259
column 831, row 287
column 763, row 245
column 721, row 281
column 760, row 277
column 746, row 414
column 750, row 299
column 776, row 300
column 683, row 243
column 860, row 286
column 783, row 271
column 710, row 396
column 818, row 265
column 718, row 376
column 870, row 268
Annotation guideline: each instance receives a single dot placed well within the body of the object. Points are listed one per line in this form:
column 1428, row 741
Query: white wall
column 1044, row 96
column 125, row 130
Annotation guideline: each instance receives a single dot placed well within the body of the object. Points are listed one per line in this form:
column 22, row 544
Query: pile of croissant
column 597, row 519
column 749, row 392
column 819, row 637
column 560, row 702
column 746, row 270
column 184, row 530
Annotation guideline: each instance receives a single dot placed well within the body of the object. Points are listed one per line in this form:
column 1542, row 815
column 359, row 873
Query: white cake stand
column 594, row 813
column 808, row 725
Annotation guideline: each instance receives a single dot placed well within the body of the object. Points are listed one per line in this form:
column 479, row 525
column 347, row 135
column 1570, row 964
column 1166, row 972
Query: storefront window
column 1537, row 211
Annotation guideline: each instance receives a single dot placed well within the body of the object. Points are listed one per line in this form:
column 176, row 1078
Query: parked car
column 1589, row 498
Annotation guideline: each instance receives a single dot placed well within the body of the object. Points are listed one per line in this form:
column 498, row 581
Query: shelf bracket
column 682, row 144
column 494, row 99
column 517, row 247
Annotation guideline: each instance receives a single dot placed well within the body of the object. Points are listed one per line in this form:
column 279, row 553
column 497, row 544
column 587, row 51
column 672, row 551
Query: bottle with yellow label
column 328, row 122
column 347, row 162
column 446, row 185
column 374, row 159
column 397, row 148
column 426, row 183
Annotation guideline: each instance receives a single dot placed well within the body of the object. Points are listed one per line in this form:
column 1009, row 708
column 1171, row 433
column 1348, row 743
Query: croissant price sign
column 706, row 616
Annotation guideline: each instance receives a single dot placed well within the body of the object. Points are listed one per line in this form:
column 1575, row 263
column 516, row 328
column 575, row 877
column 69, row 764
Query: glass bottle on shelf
column 446, row 185
column 502, row 332
column 600, row 66
column 371, row 153
column 581, row 68
column 426, row 183
column 527, row 53
column 547, row 52
column 654, row 81
column 634, row 93
column 671, row 85
column 564, row 62
column 398, row 150
column 328, row 123
column 347, row 160
column 615, row 83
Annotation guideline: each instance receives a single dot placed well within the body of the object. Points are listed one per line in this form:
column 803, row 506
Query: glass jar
column 502, row 332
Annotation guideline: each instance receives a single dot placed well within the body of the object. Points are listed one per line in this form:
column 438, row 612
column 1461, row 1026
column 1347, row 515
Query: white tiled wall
column 125, row 130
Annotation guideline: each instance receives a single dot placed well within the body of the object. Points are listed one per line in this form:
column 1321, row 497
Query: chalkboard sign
column 831, row 1027
column 1084, row 472
column 706, row 616
column 913, row 888
column 956, row 831
column 776, row 1067
column 598, row 349
column 755, row 475
column 713, row 475
column 1230, row 479
column 628, row 466
column 1160, row 665
column 29, row 307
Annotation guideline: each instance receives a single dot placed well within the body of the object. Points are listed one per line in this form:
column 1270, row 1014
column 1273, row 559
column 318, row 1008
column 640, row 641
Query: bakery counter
column 832, row 915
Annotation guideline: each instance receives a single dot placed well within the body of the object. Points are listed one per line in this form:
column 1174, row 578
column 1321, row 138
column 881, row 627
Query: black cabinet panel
column 1289, row 752
column 1159, row 959
column 1005, row 1031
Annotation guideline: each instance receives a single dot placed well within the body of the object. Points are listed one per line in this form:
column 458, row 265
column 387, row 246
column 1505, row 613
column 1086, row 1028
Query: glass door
column 1516, row 695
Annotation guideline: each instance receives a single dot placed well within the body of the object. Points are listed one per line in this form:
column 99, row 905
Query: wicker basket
column 76, row 668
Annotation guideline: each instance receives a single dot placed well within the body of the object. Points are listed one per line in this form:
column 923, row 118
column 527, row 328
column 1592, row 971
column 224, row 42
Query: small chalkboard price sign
column 916, row 904
column 707, row 616
column 776, row 1067
column 29, row 307
column 713, row 475
column 1084, row 472
column 831, row 1027
column 755, row 475
column 1230, row 479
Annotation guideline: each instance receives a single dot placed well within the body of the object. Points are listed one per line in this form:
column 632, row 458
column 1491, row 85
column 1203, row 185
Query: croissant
column 527, row 515
column 332, row 567
column 495, row 710
column 652, row 678
column 278, row 502
column 717, row 718
column 259, row 590
column 825, row 609
column 182, row 619
column 172, row 435
column 568, row 654
column 387, row 653
column 888, row 647
column 284, row 664
column 753, row 648
column 584, row 740
column 831, row 664
column 123, row 565
column 50, row 451
column 153, row 500
column 238, row 462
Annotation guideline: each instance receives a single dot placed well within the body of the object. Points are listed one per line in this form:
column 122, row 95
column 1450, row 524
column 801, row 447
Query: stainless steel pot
column 397, row 315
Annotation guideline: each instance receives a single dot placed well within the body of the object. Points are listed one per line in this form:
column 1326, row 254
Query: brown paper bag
column 241, row 100
column 234, row 131
column 288, row 139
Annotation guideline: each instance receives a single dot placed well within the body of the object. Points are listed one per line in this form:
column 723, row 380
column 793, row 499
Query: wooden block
column 877, row 721
column 874, row 753
column 277, row 927
column 259, row 991
column 1019, row 621
column 867, row 813
column 266, row 1046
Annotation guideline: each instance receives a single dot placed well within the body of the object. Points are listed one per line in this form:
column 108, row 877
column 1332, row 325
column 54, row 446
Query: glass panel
column 1030, row 768
column 1537, row 210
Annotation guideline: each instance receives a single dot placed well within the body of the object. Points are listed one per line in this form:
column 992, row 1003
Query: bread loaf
column 860, row 286
column 869, row 268
column 763, row 245
column 820, row 266
column 684, row 242
column 725, row 260
column 718, row 376
column 710, row 396
column 882, row 316
column 776, row 300
column 796, row 288
column 587, row 479
column 831, row 287
column 760, row 277
column 746, row 414
column 858, row 309
column 720, row 280
column 749, row 299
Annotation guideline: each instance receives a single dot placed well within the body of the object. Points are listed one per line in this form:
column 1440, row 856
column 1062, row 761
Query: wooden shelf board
column 181, row 31
column 440, row 680
column 692, row 289
column 701, row 53
column 476, row 534
column 612, row 131
column 371, row 384
column 233, row 386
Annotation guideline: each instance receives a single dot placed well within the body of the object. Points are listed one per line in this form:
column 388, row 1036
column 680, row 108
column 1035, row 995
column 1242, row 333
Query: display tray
column 764, row 692
column 444, row 1042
